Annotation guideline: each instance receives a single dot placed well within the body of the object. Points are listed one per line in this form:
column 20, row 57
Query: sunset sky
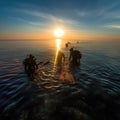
column 80, row 19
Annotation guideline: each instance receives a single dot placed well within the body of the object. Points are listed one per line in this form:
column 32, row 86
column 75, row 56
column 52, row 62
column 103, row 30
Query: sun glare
column 59, row 32
column 58, row 43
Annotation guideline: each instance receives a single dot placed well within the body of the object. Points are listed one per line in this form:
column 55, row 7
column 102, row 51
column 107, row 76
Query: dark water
column 94, row 95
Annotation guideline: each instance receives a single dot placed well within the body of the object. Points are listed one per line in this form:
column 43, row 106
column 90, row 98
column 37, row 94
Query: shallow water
column 98, row 78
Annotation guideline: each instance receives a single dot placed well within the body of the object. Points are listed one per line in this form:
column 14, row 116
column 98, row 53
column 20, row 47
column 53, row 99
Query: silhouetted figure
column 60, row 58
column 74, row 57
column 67, row 44
column 30, row 65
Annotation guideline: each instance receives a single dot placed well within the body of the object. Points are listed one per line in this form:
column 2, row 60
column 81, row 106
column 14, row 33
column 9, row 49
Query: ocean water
column 95, row 93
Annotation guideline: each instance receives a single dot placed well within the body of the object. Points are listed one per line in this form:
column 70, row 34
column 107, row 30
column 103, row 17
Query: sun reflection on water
column 58, row 43
column 58, row 47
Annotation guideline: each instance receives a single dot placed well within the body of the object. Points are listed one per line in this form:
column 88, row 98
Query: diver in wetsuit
column 74, row 57
column 30, row 65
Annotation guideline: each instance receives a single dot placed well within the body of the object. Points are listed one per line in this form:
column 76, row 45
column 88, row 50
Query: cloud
column 78, row 18
column 114, row 26
column 113, row 15
column 101, row 9
column 30, row 24
column 104, row 13
column 44, row 16
column 41, row 15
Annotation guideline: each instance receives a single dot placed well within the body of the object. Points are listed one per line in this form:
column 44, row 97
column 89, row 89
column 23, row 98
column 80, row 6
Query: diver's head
column 71, row 49
column 31, row 56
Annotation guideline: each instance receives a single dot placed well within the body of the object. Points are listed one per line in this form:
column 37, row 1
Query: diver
column 60, row 58
column 74, row 57
column 30, row 65
column 67, row 44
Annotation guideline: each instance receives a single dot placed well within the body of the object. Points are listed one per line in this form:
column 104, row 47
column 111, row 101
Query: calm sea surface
column 99, row 73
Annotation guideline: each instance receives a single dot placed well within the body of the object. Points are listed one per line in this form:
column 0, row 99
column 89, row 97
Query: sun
column 59, row 32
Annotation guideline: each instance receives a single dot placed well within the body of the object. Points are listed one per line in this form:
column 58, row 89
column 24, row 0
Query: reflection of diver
column 30, row 65
column 60, row 57
column 74, row 57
